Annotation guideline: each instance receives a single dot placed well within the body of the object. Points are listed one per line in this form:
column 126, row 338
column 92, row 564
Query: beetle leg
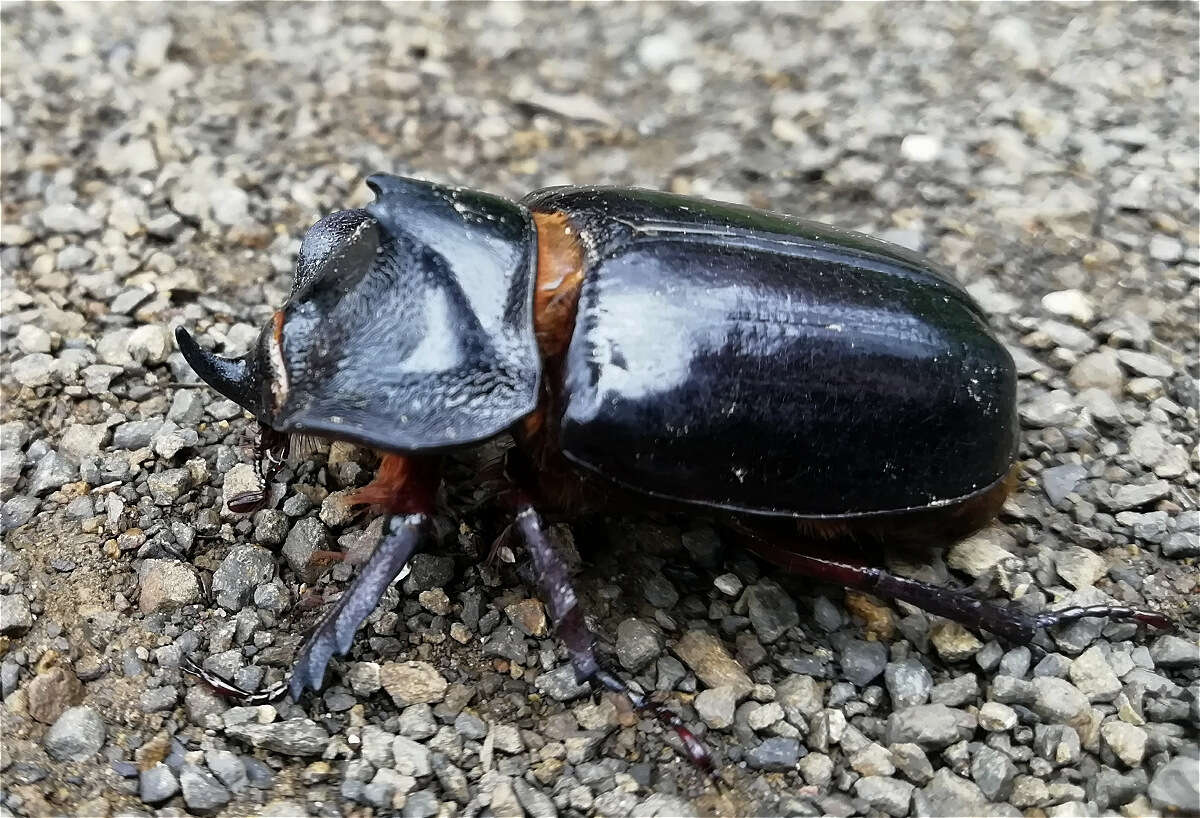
column 500, row 552
column 405, row 487
column 335, row 632
column 1061, row 617
column 567, row 616
column 1006, row 621
column 400, row 483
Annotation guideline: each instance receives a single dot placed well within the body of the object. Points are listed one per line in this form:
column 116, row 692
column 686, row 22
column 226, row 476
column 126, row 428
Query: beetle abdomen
column 767, row 367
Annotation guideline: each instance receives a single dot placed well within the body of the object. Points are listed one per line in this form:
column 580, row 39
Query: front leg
column 405, row 487
column 335, row 632
column 567, row 615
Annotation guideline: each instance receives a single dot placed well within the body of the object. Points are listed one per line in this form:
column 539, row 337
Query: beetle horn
column 235, row 378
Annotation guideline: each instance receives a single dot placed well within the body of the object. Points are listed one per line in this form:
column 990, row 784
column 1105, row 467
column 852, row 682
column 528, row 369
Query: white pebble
column 1072, row 303
column 32, row 338
column 920, row 147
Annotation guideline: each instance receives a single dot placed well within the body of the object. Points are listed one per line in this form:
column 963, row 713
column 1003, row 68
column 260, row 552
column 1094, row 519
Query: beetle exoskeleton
column 805, row 381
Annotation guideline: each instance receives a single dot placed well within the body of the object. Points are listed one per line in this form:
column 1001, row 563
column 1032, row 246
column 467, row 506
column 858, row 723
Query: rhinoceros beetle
column 810, row 385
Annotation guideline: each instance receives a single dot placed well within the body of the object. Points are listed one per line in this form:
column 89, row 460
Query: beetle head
column 258, row 382
column 240, row 380
column 408, row 327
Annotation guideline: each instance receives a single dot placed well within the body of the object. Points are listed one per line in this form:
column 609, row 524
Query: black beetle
column 811, row 384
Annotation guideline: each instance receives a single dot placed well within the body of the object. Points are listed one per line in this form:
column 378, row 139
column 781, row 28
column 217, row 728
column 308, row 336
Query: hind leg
column 1006, row 621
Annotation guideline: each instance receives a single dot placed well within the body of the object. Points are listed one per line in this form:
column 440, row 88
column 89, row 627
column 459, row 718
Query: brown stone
column 413, row 683
column 529, row 615
column 879, row 619
column 53, row 691
column 708, row 659
column 153, row 751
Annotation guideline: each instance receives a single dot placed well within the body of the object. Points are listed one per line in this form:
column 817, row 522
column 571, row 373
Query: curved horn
column 235, row 378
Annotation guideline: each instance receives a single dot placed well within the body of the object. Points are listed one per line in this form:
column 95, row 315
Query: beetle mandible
column 810, row 384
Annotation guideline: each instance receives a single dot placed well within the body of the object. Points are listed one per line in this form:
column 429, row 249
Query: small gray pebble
column 638, row 644
column 659, row 591
column 774, row 754
column 245, row 568
column 157, row 784
column 470, row 726
column 17, row 511
column 827, row 615
column 670, row 672
column 420, row 804
column 158, row 699
column 994, row 772
column 307, row 537
column 1015, row 663
column 428, row 571
column 136, row 434
column 931, row 726
column 908, row 682
column 51, row 472
column 228, row 768
column 417, row 721
column 956, row 692
column 258, row 774
column 15, row 615
column 862, row 662
column 202, row 792
column 1176, row 784
column 411, row 757
column 1052, row 664
column 77, row 735
column 560, row 684
column 1172, row 651
column 271, row 526
column 771, row 609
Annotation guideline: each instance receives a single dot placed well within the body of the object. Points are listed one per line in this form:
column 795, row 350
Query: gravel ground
column 160, row 163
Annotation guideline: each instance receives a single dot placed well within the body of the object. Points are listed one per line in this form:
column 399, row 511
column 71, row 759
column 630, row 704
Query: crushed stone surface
column 161, row 163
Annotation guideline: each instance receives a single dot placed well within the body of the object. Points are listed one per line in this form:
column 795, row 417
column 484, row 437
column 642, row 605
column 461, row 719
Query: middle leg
column 567, row 615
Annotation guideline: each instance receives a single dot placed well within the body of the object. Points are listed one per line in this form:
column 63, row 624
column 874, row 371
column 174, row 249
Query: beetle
column 810, row 385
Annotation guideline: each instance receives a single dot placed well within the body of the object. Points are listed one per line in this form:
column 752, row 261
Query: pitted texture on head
column 339, row 237
column 410, row 323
